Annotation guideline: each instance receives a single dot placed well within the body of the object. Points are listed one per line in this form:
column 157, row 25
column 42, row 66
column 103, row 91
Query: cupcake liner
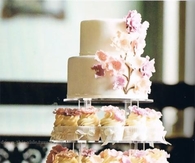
column 146, row 134
column 64, row 133
column 158, row 135
column 89, row 133
column 132, row 133
column 111, row 134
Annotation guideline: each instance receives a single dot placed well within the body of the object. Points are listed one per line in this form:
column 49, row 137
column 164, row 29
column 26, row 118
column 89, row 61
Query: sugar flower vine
column 128, row 70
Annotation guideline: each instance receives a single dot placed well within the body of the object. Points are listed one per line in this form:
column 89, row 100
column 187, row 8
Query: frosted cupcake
column 60, row 154
column 147, row 156
column 88, row 124
column 65, row 124
column 157, row 155
column 112, row 124
column 89, row 156
column 144, row 125
column 112, row 155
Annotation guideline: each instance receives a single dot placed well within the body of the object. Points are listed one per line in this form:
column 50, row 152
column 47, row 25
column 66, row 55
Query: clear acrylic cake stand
column 87, row 102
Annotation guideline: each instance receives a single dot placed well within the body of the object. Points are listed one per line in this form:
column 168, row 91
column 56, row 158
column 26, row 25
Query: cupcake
column 112, row 124
column 147, row 156
column 144, row 124
column 60, row 154
column 157, row 155
column 155, row 128
column 112, row 155
column 89, row 156
column 135, row 128
column 65, row 124
column 88, row 124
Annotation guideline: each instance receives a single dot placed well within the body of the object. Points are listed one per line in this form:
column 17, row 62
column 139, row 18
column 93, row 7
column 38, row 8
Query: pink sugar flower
column 116, row 65
column 150, row 113
column 119, row 82
column 101, row 56
column 67, row 111
column 99, row 71
column 90, row 110
column 148, row 67
column 153, row 113
column 133, row 21
column 87, row 152
column 135, row 109
column 110, row 65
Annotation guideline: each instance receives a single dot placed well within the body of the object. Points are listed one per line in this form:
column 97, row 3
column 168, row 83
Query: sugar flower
column 101, row 56
column 67, row 111
column 133, row 21
column 147, row 67
column 143, row 84
column 87, row 152
column 119, row 82
column 111, row 66
column 124, row 42
column 88, row 110
column 150, row 113
column 99, row 71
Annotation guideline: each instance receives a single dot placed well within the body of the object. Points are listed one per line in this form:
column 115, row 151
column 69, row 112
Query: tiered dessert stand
column 87, row 102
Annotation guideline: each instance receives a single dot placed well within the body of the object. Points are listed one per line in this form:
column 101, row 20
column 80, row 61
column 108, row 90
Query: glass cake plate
column 86, row 141
column 108, row 100
column 100, row 142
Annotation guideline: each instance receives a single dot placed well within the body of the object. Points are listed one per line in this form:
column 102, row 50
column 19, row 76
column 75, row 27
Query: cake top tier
column 97, row 34
column 111, row 35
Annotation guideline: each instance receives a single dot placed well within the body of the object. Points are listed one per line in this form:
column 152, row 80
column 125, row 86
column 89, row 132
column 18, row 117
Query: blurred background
column 36, row 40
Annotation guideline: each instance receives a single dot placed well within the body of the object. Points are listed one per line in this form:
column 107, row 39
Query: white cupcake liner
column 89, row 133
column 108, row 134
column 111, row 134
column 155, row 134
column 132, row 133
column 64, row 133
column 147, row 134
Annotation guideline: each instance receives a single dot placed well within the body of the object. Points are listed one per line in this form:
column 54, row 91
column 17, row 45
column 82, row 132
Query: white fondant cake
column 110, row 63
